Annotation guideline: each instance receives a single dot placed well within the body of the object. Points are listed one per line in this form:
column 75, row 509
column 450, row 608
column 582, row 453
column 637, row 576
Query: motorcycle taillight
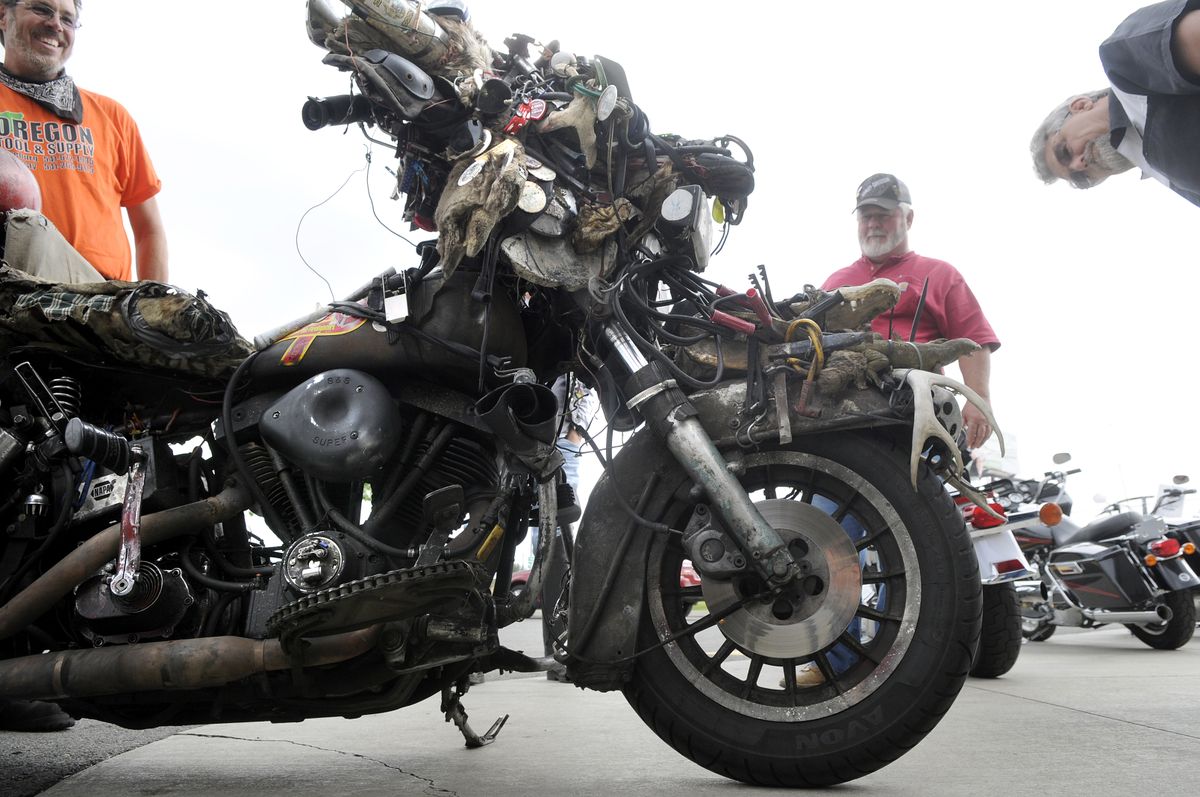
column 982, row 520
column 1165, row 548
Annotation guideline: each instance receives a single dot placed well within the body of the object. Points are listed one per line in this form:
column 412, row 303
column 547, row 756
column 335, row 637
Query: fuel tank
column 438, row 307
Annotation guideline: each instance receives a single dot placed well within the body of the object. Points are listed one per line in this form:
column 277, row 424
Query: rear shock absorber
column 65, row 390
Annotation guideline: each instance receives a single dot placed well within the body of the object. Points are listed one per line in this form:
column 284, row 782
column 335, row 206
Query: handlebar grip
column 1073, row 471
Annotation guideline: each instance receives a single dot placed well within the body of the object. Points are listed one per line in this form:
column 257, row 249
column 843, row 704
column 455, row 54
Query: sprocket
column 394, row 595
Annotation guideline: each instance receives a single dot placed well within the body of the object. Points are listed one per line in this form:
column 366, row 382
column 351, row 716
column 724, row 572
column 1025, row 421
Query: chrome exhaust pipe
column 1161, row 614
column 183, row 664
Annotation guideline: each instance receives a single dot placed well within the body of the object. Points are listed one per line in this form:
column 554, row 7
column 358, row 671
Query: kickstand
column 453, row 709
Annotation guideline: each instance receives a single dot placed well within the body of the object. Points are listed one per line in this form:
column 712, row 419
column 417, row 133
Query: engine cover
column 340, row 425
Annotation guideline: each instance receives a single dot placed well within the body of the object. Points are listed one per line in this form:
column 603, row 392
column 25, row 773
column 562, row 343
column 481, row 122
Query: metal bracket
column 453, row 708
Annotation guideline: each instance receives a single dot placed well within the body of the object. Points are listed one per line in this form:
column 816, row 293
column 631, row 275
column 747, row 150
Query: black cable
column 656, row 353
column 61, row 523
column 606, row 462
column 274, row 521
column 190, row 568
column 215, row 614
column 382, row 512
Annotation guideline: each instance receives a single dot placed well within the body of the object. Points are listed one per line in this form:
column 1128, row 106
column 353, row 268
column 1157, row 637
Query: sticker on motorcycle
column 302, row 339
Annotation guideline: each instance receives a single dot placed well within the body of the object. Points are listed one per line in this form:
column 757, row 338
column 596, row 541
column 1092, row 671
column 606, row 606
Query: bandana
column 59, row 96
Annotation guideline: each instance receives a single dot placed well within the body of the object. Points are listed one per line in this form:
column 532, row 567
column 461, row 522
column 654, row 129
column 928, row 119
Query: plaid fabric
column 58, row 305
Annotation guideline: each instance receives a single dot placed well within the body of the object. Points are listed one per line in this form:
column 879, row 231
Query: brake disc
column 820, row 604
column 380, row 598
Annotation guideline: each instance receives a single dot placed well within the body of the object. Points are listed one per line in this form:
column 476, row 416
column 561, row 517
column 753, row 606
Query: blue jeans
column 842, row 658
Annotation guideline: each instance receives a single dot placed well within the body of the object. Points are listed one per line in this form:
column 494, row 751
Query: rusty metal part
column 523, row 605
column 183, row 664
column 38, row 598
column 129, row 560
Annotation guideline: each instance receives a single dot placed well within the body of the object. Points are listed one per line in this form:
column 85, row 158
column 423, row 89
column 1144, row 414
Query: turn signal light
column 1050, row 514
column 1151, row 560
column 1189, row 548
column 1166, row 547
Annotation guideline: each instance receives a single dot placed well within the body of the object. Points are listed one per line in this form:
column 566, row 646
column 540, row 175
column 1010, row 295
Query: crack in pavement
column 432, row 788
column 1085, row 711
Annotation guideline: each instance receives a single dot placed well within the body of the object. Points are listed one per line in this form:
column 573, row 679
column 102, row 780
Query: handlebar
column 342, row 109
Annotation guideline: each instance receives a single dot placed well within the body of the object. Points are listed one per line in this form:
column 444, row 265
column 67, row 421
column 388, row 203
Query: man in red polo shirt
column 949, row 309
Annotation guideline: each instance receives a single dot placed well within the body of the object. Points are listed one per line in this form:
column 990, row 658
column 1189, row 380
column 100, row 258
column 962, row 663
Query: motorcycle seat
column 1096, row 530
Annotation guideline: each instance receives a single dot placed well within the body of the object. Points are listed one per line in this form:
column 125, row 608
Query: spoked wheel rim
column 865, row 567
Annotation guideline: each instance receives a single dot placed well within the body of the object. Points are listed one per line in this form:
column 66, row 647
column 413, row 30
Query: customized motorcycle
column 798, row 467
column 1127, row 568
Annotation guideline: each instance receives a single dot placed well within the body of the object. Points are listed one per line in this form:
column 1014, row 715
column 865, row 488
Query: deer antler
column 925, row 423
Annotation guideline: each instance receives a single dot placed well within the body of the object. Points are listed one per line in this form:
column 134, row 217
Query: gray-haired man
column 1149, row 116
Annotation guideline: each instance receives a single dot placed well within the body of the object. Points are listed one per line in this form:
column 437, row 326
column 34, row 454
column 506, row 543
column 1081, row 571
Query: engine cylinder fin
column 465, row 461
column 258, row 460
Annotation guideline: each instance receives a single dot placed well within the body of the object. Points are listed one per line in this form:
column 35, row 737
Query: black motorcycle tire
column 1176, row 632
column 756, row 730
column 1000, row 636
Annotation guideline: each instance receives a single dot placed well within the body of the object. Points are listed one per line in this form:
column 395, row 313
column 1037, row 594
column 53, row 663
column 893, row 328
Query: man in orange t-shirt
column 84, row 149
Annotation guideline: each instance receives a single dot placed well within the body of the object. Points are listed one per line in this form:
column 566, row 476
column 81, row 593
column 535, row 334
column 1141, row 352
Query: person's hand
column 977, row 427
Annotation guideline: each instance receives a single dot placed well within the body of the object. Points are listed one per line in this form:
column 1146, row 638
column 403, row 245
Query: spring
column 258, row 460
column 65, row 390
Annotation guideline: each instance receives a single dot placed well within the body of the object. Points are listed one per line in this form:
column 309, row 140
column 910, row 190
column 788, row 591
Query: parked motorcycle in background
column 1127, row 567
column 1168, row 503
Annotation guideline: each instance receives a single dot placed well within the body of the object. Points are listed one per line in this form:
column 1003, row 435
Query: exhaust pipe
column 1161, row 614
column 74, row 568
column 184, row 664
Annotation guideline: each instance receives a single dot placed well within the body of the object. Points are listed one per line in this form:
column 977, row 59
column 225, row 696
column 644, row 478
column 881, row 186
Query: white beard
column 878, row 247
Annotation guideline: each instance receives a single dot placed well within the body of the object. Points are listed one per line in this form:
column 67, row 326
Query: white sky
column 1090, row 292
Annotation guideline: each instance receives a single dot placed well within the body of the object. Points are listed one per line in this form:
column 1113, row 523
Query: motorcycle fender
column 1000, row 557
column 609, row 565
column 1175, row 574
column 608, row 570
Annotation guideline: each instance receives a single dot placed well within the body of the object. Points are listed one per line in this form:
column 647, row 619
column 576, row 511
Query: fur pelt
column 467, row 214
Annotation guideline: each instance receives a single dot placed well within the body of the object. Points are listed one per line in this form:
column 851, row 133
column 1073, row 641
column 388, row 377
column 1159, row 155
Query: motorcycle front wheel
column 849, row 670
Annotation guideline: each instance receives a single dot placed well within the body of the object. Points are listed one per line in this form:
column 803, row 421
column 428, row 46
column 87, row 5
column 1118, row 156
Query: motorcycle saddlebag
column 1101, row 576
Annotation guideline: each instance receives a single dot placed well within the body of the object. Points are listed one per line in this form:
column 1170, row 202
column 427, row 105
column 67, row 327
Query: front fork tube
column 667, row 410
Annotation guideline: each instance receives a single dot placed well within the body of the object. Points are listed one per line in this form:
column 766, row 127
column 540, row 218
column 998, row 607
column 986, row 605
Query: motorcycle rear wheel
column 889, row 670
column 1176, row 632
column 1000, row 637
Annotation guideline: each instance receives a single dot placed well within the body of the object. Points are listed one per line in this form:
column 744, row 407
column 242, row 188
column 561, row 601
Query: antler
column 925, row 423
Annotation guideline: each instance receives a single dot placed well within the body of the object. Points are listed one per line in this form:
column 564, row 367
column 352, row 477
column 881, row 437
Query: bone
column 925, row 424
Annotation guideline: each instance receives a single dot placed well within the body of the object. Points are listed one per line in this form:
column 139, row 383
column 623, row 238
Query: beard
column 878, row 247
column 1105, row 161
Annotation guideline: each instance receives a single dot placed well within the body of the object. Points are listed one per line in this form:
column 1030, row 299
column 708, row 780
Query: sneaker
column 558, row 672
column 33, row 716
column 806, row 675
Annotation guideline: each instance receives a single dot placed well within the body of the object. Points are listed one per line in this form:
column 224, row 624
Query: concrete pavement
column 1087, row 712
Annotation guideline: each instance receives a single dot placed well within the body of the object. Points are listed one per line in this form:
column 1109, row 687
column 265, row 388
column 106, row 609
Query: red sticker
column 302, row 339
